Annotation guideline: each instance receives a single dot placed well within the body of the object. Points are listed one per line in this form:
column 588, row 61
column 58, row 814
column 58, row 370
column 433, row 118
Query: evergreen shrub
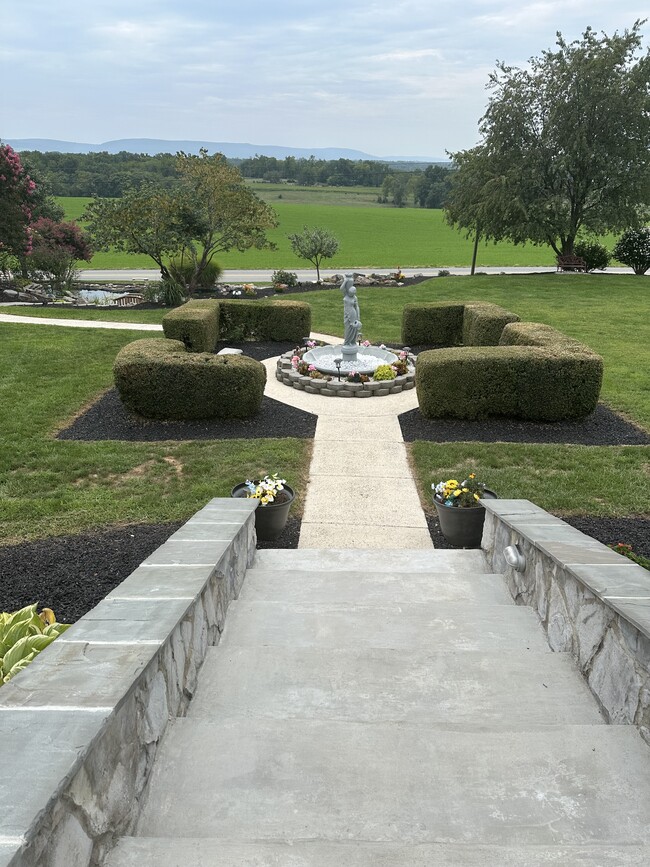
column 195, row 324
column 483, row 323
column 159, row 378
column 536, row 373
column 264, row 320
column 438, row 322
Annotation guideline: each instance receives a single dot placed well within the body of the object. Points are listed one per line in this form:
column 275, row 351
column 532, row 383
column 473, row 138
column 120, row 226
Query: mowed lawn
column 382, row 237
column 52, row 487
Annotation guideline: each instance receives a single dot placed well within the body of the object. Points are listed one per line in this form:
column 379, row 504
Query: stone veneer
column 331, row 387
column 592, row 602
column 79, row 728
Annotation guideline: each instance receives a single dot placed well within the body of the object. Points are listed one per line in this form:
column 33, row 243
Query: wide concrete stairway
column 388, row 708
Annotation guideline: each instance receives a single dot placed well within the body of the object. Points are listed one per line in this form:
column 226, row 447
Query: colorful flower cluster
column 265, row 490
column 463, row 495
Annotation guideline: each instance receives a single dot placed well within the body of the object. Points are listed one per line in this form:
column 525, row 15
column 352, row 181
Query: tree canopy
column 565, row 145
column 210, row 210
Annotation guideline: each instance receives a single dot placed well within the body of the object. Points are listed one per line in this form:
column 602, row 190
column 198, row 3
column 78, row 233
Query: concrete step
column 449, row 626
column 197, row 852
column 385, row 560
column 305, row 585
column 277, row 780
column 456, row 690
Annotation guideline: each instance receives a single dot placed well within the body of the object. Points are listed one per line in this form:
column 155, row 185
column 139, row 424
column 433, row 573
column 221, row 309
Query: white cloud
column 339, row 72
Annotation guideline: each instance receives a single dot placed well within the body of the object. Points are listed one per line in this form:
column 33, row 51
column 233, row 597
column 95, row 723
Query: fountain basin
column 368, row 359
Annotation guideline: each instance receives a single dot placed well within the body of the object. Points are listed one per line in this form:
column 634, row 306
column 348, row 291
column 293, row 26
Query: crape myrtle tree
column 56, row 247
column 17, row 192
column 565, row 146
column 210, row 210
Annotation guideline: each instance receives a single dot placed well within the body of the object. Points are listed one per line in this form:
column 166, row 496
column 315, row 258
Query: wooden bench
column 571, row 263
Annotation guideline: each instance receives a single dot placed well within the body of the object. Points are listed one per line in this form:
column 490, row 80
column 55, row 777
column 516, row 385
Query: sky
column 398, row 77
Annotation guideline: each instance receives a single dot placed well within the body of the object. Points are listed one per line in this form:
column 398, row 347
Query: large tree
column 210, row 210
column 565, row 145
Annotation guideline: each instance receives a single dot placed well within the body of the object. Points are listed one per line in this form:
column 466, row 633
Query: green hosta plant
column 23, row 634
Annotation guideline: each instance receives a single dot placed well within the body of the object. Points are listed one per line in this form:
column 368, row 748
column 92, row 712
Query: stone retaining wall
column 592, row 602
column 79, row 728
column 332, row 387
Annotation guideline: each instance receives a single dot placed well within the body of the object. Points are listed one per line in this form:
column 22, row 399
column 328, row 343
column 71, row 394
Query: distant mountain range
column 234, row 150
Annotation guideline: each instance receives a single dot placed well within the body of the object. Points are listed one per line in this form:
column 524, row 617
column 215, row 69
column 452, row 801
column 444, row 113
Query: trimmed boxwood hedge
column 437, row 322
column 483, row 323
column 199, row 324
column 264, row 320
column 475, row 324
column 536, row 373
column 159, row 378
column 195, row 324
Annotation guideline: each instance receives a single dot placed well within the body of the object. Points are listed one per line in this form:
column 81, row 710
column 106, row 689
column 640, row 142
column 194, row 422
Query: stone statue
column 351, row 320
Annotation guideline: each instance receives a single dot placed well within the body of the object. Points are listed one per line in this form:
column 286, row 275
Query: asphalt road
column 304, row 275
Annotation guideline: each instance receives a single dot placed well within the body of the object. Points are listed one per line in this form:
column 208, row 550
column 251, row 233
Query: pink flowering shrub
column 16, row 191
column 55, row 249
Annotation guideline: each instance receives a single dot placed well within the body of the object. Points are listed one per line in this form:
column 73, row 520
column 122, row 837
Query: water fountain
column 350, row 357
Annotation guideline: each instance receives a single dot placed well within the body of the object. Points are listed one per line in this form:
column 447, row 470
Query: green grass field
column 51, row 487
column 369, row 237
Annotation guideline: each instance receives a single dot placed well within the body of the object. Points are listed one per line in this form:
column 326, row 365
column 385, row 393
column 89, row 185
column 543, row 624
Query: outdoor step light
column 514, row 557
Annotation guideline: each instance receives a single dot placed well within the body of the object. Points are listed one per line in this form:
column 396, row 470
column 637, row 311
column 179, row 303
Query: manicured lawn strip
column 369, row 236
column 50, row 487
column 566, row 479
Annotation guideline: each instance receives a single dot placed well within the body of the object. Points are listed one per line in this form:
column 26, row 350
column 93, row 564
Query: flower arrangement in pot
column 459, row 510
column 275, row 497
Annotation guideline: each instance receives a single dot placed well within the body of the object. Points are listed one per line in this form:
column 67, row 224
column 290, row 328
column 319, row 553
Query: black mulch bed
column 108, row 418
column 72, row 574
column 602, row 428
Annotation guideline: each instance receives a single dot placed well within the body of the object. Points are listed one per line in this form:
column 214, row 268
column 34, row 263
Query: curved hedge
column 475, row 324
column 200, row 323
column 525, row 382
column 535, row 373
column 159, row 378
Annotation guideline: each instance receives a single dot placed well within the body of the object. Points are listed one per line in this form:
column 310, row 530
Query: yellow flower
column 457, row 493
column 465, row 490
column 472, row 475
column 476, row 497
column 451, row 484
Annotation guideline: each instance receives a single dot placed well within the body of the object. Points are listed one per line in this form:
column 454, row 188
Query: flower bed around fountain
column 330, row 385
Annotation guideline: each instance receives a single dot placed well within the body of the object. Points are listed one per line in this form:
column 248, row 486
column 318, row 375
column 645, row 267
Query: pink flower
column 366, row 343
column 311, row 367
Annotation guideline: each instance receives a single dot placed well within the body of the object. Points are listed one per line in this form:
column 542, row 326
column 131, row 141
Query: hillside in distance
column 234, row 150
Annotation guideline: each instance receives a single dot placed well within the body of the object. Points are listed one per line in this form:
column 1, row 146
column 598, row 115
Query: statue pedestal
column 349, row 351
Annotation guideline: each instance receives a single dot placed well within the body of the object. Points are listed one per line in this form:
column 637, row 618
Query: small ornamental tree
column 633, row 249
column 55, row 249
column 16, row 195
column 314, row 244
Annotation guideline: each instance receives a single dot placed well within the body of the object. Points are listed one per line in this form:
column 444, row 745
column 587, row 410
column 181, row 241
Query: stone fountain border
column 329, row 386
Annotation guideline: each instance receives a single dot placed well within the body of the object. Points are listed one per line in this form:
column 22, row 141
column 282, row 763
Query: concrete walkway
column 79, row 323
column 361, row 493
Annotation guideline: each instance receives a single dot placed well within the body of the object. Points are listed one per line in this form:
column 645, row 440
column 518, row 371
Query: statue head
column 348, row 283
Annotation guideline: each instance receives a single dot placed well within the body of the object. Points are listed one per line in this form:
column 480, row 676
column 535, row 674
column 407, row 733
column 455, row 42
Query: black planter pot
column 270, row 520
column 463, row 528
